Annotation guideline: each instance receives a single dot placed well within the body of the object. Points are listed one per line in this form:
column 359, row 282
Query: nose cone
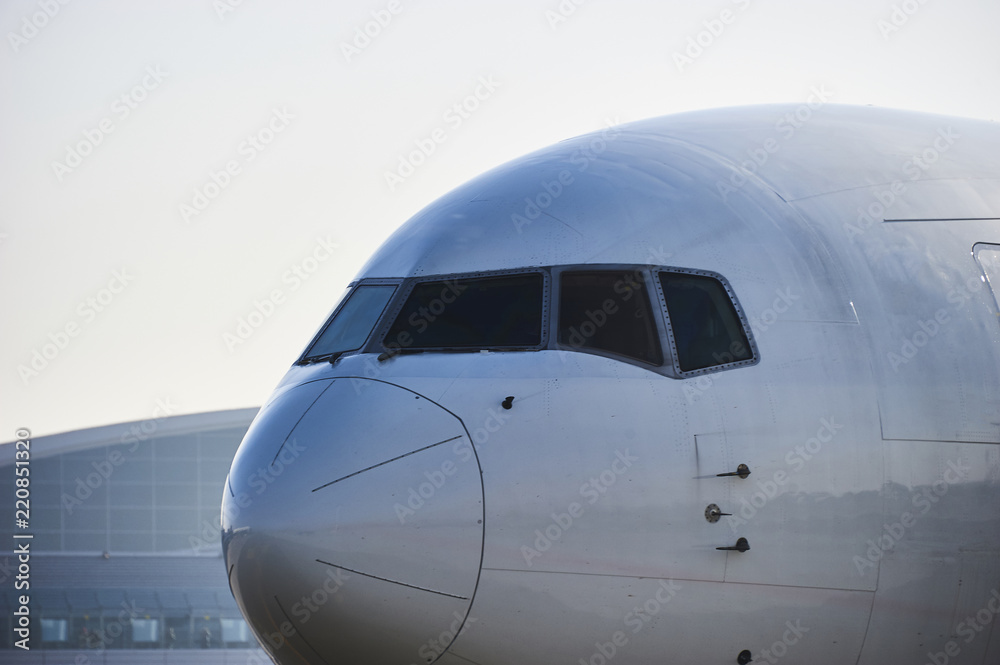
column 352, row 525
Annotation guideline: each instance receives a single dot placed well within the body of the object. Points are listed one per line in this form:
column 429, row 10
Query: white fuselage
column 407, row 515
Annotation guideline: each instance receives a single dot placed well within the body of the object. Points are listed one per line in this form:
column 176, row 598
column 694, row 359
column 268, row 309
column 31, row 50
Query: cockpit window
column 704, row 325
column 608, row 310
column 498, row 312
column 988, row 257
column 348, row 329
column 670, row 320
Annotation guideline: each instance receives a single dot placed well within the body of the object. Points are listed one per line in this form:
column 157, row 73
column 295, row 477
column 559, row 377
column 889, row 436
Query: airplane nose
column 353, row 525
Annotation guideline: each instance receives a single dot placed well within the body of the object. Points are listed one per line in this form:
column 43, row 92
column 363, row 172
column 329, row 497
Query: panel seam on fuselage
column 682, row 579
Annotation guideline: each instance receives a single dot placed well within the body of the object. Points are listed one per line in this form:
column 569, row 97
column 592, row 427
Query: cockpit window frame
column 379, row 344
column 303, row 358
column 376, row 342
column 656, row 312
column 671, row 341
column 986, row 271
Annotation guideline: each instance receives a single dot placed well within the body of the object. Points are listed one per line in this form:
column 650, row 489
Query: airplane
column 716, row 387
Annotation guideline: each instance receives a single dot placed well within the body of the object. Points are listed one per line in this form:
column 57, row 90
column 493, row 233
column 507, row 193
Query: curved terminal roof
column 162, row 426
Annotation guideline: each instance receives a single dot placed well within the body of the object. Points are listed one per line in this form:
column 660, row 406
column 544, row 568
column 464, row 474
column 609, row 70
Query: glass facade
column 131, row 618
column 158, row 495
column 126, row 552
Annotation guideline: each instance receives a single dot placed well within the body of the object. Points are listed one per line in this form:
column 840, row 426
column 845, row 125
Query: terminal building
column 126, row 560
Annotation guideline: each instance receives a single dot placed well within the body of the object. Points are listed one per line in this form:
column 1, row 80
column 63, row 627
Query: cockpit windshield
column 672, row 321
column 608, row 311
column 353, row 322
column 704, row 324
column 471, row 313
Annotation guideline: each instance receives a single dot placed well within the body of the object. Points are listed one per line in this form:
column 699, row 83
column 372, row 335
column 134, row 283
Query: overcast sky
column 168, row 168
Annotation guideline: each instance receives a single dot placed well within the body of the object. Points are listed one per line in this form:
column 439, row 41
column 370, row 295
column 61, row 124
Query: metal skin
column 393, row 512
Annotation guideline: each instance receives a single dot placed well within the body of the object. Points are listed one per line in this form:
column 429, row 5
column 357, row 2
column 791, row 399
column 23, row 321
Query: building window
column 471, row 313
column 609, row 311
column 704, row 326
column 350, row 326
column 55, row 630
column 145, row 630
column 235, row 631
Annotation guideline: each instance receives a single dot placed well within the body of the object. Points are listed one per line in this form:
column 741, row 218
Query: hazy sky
column 170, row 167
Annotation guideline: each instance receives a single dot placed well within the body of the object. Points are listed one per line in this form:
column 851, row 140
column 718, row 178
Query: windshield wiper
column 332, row 357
